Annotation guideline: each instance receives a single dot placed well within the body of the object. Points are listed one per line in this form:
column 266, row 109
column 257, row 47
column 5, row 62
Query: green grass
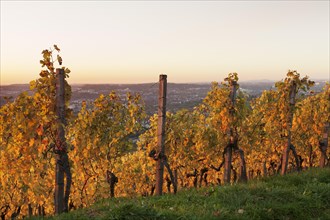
column 304, row 195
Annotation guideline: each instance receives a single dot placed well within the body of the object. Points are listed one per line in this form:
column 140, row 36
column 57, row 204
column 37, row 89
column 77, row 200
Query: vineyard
column 54, row 161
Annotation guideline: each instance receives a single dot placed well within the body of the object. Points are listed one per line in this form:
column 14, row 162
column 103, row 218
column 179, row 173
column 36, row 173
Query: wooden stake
column 60, row 140
column 62, row 160
column 161, row 133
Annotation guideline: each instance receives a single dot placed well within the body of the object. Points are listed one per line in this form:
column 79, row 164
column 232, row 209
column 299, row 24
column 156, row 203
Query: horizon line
column 206, row 82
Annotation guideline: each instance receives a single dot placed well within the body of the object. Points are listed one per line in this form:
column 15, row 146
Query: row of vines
column 110, row 141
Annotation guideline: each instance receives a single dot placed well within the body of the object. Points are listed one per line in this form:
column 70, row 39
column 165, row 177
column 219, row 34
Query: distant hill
column 180, row 95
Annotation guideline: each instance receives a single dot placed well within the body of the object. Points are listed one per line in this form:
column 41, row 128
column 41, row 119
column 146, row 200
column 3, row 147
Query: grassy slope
column 295, row 196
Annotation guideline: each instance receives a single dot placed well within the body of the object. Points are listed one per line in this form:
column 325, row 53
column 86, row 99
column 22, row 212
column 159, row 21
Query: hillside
column 302, row 195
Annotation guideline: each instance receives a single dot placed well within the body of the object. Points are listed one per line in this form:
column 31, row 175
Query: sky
column 190, row 41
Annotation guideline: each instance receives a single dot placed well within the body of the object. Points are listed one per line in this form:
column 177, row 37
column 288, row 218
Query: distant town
column 178, row 95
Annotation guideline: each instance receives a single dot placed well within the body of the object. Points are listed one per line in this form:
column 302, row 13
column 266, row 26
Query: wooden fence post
column 161, row 133
column 60, row 139
column 62, row 160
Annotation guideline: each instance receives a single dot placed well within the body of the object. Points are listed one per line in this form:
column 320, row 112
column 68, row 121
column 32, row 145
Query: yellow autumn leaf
column 31, row 142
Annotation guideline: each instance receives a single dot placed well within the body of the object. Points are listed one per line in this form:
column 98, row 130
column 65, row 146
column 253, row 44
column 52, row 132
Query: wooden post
column 161, row 133
column 62, row 160
column 231, row 135
column 60, row 140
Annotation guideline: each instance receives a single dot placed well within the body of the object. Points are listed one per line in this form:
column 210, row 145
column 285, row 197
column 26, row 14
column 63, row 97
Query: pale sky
column 190, row 41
